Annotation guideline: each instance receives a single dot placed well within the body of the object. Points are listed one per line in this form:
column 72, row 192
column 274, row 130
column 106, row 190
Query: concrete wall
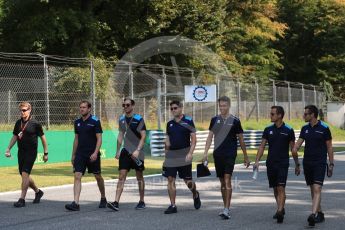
column 336, row 114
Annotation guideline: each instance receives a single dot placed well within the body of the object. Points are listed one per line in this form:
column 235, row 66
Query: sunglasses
column 173, row 108
column 24, row 110
column 272, row 114
column 306, row 114
column 126, row 105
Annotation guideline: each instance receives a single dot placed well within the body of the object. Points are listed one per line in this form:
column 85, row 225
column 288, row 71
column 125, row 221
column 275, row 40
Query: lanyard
column 20, row 134
column 127, row 126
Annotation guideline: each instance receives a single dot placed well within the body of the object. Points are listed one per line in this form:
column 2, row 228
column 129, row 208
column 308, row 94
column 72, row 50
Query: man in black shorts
column 280, row 138
column 226, row 128
column 132, row 133
column 318, row 142
column 180, row 144
column 86, row 153
column 25, row 133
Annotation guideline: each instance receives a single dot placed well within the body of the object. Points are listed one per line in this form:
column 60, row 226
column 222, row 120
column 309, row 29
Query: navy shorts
column 26, row 161
column 277, row 174
column 314, row 172
column 82, row 162
column 224, row 165
column 184, row 172
column 127, row 163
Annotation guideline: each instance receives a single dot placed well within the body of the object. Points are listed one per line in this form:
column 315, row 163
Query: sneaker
column 197, row 201
column 141, row 205
column 72, row 206
column 312, row 220
column 280, row 217
column 275, row 215
column 171, row 209
column 103, row 203
column 226, row 214
column 320, row 217
column 20, row 203
column 38, row 196
column 113, row 205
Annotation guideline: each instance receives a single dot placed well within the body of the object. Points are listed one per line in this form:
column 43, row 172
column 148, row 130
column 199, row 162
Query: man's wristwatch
column 138, row 149
column 45, row 154
column 298, row 164
column 331, row 164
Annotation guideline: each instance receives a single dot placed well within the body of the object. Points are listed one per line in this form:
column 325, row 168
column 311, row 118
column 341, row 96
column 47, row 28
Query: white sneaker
column 226, row 214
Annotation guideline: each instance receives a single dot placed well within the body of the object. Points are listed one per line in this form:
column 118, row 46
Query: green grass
column 61, row 173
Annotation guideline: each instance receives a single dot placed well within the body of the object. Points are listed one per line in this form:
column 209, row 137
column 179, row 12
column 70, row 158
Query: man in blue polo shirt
column 132, row 133
column 226, row 129
column 180, row 144
column 318, row 142
column 280, row 138
column 86, row 153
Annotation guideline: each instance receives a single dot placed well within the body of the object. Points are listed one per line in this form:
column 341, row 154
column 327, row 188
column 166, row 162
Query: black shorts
column 82, row 162
column 184, row 172
column 127, row 163
column 277, row 174
column 224, row 165
column 26, row 161
column 314, row 172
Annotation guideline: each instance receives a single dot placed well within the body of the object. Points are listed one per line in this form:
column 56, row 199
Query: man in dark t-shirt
column 226, row 130
column 26, row 132
column 318, row 142
column 280, row 138
column 86, row 153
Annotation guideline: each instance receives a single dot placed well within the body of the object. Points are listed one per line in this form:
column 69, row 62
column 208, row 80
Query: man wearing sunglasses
column 180, row 144
column 132, row 133
column 280, row 138
column 318, row 142
column 226, row 129
column 25, row 133
column 86, row 153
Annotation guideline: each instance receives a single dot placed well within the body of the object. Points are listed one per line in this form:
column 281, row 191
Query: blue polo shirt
column 179, row 132
column 225, row 135
column 278, row 143
column 131, row 127
column 86, row 131
column 315, row 138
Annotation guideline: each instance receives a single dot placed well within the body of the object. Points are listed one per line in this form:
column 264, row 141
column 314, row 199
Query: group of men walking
column 225, row 129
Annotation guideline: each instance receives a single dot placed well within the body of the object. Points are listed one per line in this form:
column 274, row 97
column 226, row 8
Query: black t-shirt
column 133, row 125
column 278, row 143
column 30, row 132
column 87, row 131
column 225, row 135
column 179, row 132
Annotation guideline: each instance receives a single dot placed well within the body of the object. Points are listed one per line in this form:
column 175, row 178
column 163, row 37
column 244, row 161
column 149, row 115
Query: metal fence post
column 217, row 89
column 165, row 94
column 238, row 98
column 144, row 101
column 274, row 92
column 303, row 96
column 93, row 90
column 9, row 108
column 257, row 100
column 131, row 83
column 159, row 94
column 193, row 104
column 315, row 101
column 289, row 98
column 46, row 78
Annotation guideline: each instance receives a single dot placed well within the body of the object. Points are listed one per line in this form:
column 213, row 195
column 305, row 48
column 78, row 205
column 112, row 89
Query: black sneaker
column 312, row 220
column 320, row 217
column 197, row 201
column 140, row 206
column 275, row 215
column 171, row 209
column 280, row 217
column 38, row 196
column 72, row 206
column 103, row 203
column 20, row 203
column 113, row 205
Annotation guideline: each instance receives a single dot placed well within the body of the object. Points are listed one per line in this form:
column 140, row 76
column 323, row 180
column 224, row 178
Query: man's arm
column 118, row 144
column 295, row 157
column 94, row 155
column 330, row 157
column 75, row 146
column 189, row 156
column 10, row 145
column 244, row 149
column 298, row 145
column 260, row 152
column 208, row 145
column 45, row 147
